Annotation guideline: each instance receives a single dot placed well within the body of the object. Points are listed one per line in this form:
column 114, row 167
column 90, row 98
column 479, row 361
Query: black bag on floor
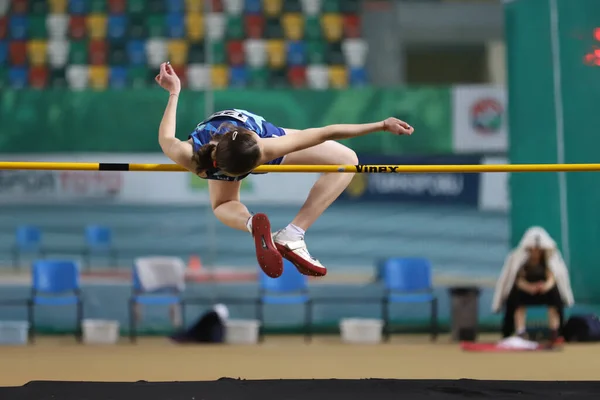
column 582, row 328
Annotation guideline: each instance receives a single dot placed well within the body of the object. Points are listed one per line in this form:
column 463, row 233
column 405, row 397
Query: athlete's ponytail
column 204, row 157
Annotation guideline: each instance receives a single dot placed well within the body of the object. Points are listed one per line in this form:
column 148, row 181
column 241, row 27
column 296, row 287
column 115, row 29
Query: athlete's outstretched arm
column 274, row 148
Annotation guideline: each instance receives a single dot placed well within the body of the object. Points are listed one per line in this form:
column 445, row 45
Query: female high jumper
column 230, row 144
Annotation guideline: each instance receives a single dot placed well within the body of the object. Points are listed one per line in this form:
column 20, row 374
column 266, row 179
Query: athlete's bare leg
column 225, row 202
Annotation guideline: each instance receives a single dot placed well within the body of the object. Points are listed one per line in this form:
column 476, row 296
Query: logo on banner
column 91, row 184
column 27, row 182
column 486, row 116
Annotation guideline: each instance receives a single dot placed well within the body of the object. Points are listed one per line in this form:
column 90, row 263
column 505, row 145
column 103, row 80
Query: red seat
column 3, row 27
column 116, row 6
column 98, row 51
column 352, row 27
column 77, row 27
column 254, row 26
column 217, row 6
column 38, row 77
column 17, row 51
column 235, row 53
column 297, row 77
column 19, row 7
column 181, row 71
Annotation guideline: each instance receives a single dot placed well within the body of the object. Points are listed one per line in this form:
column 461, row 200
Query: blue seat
column 18, row 77
column 98, row 240
column 175, row 25
column 253, row 7
column 28, row 239
column 408, row 280
column 296, row 53
column 56, row 283
column 118, row 77
column 165, row 296
column 18, row 27
column 136, row 52
column 358, row 77
column 3, row 52
column 289, row 289
column 175, row 5
column 116, row 27
column 78, row 7
column 238, row 77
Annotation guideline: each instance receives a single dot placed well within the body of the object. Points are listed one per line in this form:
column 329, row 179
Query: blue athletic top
column 212, row 126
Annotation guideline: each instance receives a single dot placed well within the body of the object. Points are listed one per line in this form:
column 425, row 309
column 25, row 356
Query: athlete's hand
column 397, row 127
column 168, row 79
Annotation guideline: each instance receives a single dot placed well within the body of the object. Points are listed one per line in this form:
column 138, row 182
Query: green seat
column 137, row 27
column 38, row 7
column 196, row 54
column 313, row 28
column 235, row 27
column 117, row 54
column 98, row 6
column 258, row 78
column 350, row 7
column 273, row 29
column 155, row 25
column 292, row 6
column 156, row 6
column 57, row 78
column 335, row 55
column 316, row 51
column 330, row 6
column 78, row 52
column 278, row 79
column 138, row 77
column 217, row 53
column 136, row 6
column 37, row 27
column 3, row 77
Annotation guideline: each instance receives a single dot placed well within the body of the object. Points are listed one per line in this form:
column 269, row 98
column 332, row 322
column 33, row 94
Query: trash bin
column 464, row 312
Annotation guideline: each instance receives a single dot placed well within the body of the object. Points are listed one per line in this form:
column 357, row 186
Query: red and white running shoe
column 296, row 252
column 268, row 257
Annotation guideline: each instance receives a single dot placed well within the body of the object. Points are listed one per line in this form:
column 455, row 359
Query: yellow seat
column 194, row 24
column 333, row 27
column 96, row 26
column 276, row 53
column 193, row 6
column 58, row 6
column 98, row 77
column 293, row 26
column 220, row 76
column 37, row 52
column 338, row 77
column 178, row 51
column 272, row 8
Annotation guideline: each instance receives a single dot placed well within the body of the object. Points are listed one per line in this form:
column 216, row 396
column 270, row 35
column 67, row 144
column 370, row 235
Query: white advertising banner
column 113, row 187
column 480, row 121
column 494, row 191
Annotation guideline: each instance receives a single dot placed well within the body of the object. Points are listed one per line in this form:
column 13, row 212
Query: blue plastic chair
column 18, row 77
column 136, row 52
column 3, row 52
column 238, row 77
column 18, row 25
column 78, row 7
column 56, row 283
column 358, row 77
column 253, row 7
column 175, row 25
column 118, row 77
column 162, row 297
column 296, row 53
column 28, row 239
column 98, row 240
column 408, row 280
column 116, row 27
column 289, row 289
column 175, row 5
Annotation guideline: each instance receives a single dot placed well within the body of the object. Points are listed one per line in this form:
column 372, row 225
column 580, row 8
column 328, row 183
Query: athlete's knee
column 348, row 157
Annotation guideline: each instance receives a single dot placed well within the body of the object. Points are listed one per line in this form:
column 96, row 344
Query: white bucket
column 97, row 331
column 13, row 332
column 241, row 331
column 361, row 330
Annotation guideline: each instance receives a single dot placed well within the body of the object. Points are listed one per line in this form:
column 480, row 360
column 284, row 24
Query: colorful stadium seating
column 119, row 44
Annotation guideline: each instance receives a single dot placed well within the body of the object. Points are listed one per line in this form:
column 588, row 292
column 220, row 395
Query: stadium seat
column 358, row 77
column 256, row 52
column 136, row 6
column 194, row 24
column 4, row 7
column 37, row 51
column 136, row 27
column 278, row 78
column 350, row 6
column 156, row 52
column 98, row 7
column 330, row 6
column 78, row 53
column 77, row 28
column 175, row 25
column 196, row 54
column 3, row 52
column 297, row 77
column 175, row 6
column 139, row 77
column 18, row 7
column 311, row 7
column 317, row 77
column 352, row 27
column 219, row 76
column 332, row 25
column 215, row 26
column 180, row 70
column 117, row 78
column 136, row 52
column 58, row 78
column 57, row 25
column 235, row 53
column 218, row 53
column 293, row 26
column 156, row 25
column 117, row 27
column 177, row 51
column 198, row 76
column 194, row 6
column 17, row 51
column 273, row 29
column 117, row 54
column 98, row 77
column 238, row 77
column 276, row 53
column 58, row 6
column 312, row 28
column 4, row 84
column 98, row 50
column 38, row 7
column 117, row 6
column 18, row 26
column 235, row 27
column 296, row 53
column 37, row 27
column 17, row 77
column 3, row 27
column 316, row 52
column 272, row 8
column 96, row 25
column 217, row 6
column 77, row 76
column 155, row 6
column 335, row 55
column 28, row 238
column 355, row 52
column 253, row 7
column 58, row 53
column 292, row 6
column 254, row 26
column 78, row 7
column 258, row 78
column 338, row 77
column 233, row 7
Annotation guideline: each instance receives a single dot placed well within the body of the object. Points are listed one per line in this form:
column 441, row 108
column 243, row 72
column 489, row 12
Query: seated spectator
column 534, row 274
